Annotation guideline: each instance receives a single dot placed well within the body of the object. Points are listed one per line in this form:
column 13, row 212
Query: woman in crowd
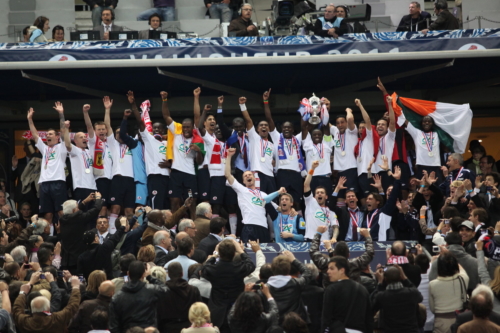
column 38, row 29
column 147, row 254
column 199, row 316
column 342, row 12
column 34, row 243
column 448, row 292
column 57, row 34
column 247, row 314
column 95, row 280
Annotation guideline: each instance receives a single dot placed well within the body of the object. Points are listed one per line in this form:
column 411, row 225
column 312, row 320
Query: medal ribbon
column 458, row 174
column 326, row 211
column 48, row 153
column 263, row 148
column 256, row 193
column 223, row 152
column 186, row 147
column 86, row 159
column 370, row 219
column 342, row 141
column 241, row 140
column 123, row 151
column 281, row 221
column 321, row 150
column 354, row 218
column 428, row 141
column 381, row 147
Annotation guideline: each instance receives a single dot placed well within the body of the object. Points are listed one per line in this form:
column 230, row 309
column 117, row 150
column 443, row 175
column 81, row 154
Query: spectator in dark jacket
column 416, row 20
column 397, row 255
column 98, row 256
column 287, row 291
column 329, row 25
column 445, row 20
column 312, row 296
column 396, row 295
column 135, row 304
column 173, row 307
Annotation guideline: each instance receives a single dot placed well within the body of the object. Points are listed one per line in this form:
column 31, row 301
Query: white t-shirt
column 260, row 148
column 81, row 160
column 320, row 152
column 251, row 204
column 215, row 169
column 123, row 163
column 318, row 216
column 183, row 156
column 385, row 147
column 344, row 143
column 290, row 148
column 365, row 153
column 154, row 152
column 107, row 159
column 53, row 161
column 421, row 140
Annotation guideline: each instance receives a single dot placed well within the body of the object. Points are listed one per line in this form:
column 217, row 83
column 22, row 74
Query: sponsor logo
column 139, row 198
column 204, row 194
column 214, row 198
column 471, row 47
column 257, row 201
column 113, row 199
column 62, row 57
column 155, row 192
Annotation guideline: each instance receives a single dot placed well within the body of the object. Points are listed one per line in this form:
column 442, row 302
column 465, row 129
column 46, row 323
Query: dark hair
column 136, row 270
column 185, row 246
column 423, row 262
column 392, row 275
column 481, row 305
column 378, row 197
column 266, row 271
column 320, row 187
column 340, row 262
column 482, row 214
column 455, row 223
column 479, row 149
column 292, row 323
column 99, row 318
column 495, row 175
column 125, row 261
column 294, row 270
column 111, row 11
column 247, row 311
column 194, row 268
column 346, row 10
column 56, row 28
column 175, row 270
column 398, row 248
column 447, row 265
column 25, row 30
column 14, row 289
column 453, row 238
column 12, row 268
column 154, row 15
column 227, row 250
column 489, row 159
column 52, row 270
column 47, row 245
column 117, row 221
column 44, row 255
column 450, row 211
column 340, row 116
column 40, row 22
column 281, row 265
column 341, row 249
column 216, row 225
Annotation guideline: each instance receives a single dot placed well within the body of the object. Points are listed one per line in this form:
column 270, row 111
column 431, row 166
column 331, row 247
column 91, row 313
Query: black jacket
column 312, row 296
column 289, row 296
column 403, row 302
column 72, row 228
column 98, row 256
column 160, row 257
column 135, row 305
column 410, row 24
column 208, row 244
column 102, row 3
column 227, row 284
column 435, row 201
column 444, row 21
column 413, row 273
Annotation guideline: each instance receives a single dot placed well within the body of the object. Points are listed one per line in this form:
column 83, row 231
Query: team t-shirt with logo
column 318, row 216
column 385, row 148
column 343, row 158
column 123, row 163
column 251, row 204
column 318, row 152
column 81, row 167
column 107, row 159
column 155, row 152
column 365, row 152
column 426, row 146
column 291, row 147
column 183, row 155
column 53, row 161
column 216, row 163
column 261, row 152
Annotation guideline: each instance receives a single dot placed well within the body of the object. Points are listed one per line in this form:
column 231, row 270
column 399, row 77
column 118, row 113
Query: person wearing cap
column 468, row 262
column 467, row 232
column 98, row 256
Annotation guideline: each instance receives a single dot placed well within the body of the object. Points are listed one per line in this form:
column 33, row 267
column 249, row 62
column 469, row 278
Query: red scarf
column 376, row 139
column 217, row 154
column 98, row 157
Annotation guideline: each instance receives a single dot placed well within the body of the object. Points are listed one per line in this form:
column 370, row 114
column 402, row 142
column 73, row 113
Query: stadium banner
column 301, row 250
column 226, row 47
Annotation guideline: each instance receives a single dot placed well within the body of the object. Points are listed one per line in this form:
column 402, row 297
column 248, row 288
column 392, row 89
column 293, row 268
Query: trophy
column 315, row 103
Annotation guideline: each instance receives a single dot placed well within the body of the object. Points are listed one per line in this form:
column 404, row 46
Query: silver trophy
column 315, row 103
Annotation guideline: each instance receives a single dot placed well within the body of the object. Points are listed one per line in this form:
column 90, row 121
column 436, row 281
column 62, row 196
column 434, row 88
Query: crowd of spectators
column 152, row 229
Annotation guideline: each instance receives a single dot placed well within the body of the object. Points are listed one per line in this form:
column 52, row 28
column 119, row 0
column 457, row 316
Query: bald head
column 156, row 216
column 80, row 140
column 107, row 288
column 180, row 236
column 167, row 214
column 398, row 248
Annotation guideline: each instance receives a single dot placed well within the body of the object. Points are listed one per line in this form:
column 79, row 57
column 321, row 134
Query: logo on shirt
column 336, row 143
column 269, row 151
column 425, row 143
column 52, row 156
column 257, row 201
column 183, row 148
column 162, row 149
column 287, row 228
column 322, row 217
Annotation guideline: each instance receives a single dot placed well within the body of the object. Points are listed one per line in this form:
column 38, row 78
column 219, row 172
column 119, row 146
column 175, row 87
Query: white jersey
column 53, row 161
column 291, row 148
column 426, row 144
column 385, row 148
column 261, row 152
column 183, row 155
column 107, row 159
column 154, row 153
column 318, row 216
column 321, row 152
column 251, row 203
column 121, row 154
column 344, row 144
column 81, row 168
column 365, row 152
column 215, row 168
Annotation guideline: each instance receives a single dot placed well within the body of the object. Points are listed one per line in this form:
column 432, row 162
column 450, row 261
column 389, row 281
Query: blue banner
column 386, row 42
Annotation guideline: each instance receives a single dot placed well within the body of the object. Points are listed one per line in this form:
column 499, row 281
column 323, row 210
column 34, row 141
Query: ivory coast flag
column 452, row 122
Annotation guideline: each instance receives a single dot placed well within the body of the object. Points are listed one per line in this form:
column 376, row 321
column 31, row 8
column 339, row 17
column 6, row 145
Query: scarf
column 336, row 23
column 282, row 154
column 98, row 165
column 156, row 227
column 397, row 260
column 197, row 140
column 145, row 115
column 219, row 152
column 376, row 139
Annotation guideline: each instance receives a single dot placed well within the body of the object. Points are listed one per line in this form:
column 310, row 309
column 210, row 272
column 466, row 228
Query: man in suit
column 162, row 243
column 198, row 255
column 18, row 166
column 202, row 222
column 101, row 229
column 217, row 228
column 154, row 24
column 107, row 25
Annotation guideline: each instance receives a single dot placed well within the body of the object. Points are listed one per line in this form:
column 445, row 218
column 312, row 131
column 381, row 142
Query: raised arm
column 227, row 168
column 88, row 122
column 392, row 116
column 164, row 108
column 350, row 120
column 108, row 103
column 307, row 182
column 196, row 106
column 201, row 120
column 226, row 131
column 64, row 125
column 34, row 132
column 267, row 110
column 365, row 115
column 244, row 112
column 137, row 114
column 304, row 128
column 65, row 134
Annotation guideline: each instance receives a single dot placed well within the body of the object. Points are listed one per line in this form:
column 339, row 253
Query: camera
column 257, row 286
column 60, row 274
column 125, row 279
column 27, row 266
column 190, row 193
column 413, row 250
column 81, row 278
column 488, row 188
column 11, row 219
column 42, row 276
column 436, row 249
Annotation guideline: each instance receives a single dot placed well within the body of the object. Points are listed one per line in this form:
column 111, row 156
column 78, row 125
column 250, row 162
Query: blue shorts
column 52, row 195
column 141, row 194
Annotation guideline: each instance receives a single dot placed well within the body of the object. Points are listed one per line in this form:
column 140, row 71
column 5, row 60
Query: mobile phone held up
column 190, row 193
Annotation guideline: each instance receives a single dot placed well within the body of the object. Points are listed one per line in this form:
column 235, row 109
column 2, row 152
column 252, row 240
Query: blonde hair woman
column 159, row 273
column 199, row 316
